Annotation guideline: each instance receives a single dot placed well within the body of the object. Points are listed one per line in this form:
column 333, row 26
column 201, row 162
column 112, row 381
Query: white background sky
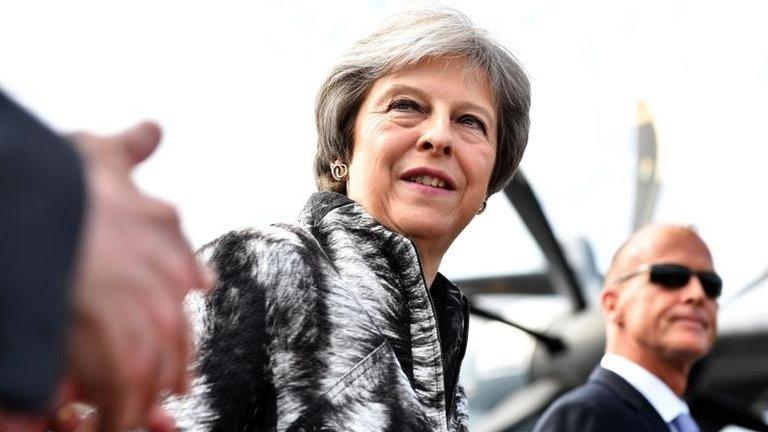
column 233, row 84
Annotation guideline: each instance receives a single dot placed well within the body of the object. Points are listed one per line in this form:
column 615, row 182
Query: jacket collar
column 344, row 227
column 320, row 203
column 647, row 415
column 653, row 389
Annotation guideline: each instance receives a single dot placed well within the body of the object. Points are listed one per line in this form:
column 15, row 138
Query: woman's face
column 424, row 149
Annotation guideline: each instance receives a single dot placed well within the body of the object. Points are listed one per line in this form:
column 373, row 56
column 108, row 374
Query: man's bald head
column 649, row 242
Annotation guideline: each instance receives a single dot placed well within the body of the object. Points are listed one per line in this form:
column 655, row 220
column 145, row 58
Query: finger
column 135, row 144
column 185, row 269
column 166, row 308
column 163, row 300
column 74, row 417
column 140, row 141
column 172, row 327
column 161, row 280
column 194, row 306
column 175, row 257
column 203, row 277
column 149, row 374
column 131, row 389
column 186, row 350
column 210, row 278
column 163, row 215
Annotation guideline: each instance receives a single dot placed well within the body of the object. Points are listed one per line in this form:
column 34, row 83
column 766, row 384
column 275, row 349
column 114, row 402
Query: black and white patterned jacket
column 326, row 325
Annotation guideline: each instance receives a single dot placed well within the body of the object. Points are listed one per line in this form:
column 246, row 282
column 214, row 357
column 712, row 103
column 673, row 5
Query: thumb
column 140, row 141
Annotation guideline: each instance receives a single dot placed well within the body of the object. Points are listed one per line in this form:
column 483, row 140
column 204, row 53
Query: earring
column 483, row 206
column 339, row 171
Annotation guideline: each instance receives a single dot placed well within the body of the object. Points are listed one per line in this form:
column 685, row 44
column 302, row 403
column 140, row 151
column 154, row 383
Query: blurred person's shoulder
column 592, row 406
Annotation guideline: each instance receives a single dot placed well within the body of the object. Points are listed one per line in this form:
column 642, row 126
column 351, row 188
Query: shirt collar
column 660, row 396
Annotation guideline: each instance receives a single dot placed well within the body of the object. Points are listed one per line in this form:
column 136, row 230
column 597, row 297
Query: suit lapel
column 647, row 417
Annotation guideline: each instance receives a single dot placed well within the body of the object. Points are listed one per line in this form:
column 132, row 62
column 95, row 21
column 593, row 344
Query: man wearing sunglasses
column 660, row 306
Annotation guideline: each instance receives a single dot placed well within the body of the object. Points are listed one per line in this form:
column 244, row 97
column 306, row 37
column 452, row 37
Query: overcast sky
column 233, row 84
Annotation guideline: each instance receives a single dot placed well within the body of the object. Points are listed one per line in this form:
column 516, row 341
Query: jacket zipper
column 437, row 327
column 464, row 337
column 434, row 313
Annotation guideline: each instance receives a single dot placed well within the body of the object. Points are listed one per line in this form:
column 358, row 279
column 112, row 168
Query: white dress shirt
column 661, row 397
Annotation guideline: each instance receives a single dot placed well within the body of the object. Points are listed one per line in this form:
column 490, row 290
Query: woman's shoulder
column 246, row 243
column 265, row 258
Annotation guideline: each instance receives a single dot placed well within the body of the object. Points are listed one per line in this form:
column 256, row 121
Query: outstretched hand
column 129, row 339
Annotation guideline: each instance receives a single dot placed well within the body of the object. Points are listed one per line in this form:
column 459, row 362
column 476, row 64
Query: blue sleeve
column 42, row 196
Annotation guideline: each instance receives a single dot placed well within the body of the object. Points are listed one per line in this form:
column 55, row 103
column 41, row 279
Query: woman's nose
column 437, row 137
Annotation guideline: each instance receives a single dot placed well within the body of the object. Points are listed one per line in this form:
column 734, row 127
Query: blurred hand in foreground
column 129, row 339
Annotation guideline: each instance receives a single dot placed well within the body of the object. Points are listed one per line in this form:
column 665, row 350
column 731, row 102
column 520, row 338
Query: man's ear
column 612, row 311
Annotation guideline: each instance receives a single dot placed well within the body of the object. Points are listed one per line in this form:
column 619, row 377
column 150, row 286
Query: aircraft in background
column 557, row 350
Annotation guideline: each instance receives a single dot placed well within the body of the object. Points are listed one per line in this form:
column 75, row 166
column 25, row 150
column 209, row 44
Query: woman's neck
column 430, row 256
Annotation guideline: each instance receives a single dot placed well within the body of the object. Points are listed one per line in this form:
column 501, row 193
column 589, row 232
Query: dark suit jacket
column 41, row 207
column 605, row 403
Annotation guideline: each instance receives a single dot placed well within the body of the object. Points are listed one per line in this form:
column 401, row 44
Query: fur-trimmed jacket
column 326, row 325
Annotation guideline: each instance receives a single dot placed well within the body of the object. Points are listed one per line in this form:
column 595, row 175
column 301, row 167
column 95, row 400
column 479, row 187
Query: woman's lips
column 426, row 188
column 428, row 181
column 429, row 177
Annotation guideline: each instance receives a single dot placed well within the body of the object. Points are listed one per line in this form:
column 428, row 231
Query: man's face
column 660, row 322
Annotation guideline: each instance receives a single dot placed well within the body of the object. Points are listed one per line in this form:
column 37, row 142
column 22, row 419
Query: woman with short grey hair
column 340, row 320
column 404, row 40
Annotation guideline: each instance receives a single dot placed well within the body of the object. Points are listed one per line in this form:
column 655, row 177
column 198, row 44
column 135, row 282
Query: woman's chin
column 430, row 225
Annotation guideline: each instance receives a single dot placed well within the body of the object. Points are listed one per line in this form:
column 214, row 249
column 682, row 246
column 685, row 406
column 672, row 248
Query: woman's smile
column 429, row 180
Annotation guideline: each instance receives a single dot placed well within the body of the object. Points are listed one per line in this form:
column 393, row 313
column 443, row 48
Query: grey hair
column 403, row 41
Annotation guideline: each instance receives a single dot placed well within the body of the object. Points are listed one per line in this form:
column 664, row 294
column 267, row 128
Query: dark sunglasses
column 674, row 276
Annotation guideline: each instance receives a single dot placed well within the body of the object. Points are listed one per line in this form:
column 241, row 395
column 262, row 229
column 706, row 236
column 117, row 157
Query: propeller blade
column 647, row 177
column 553, row 344
column 759, row 281
column 520, row 193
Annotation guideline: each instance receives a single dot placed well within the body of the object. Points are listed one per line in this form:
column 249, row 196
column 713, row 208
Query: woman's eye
column 472, row 121
column 404, row 105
